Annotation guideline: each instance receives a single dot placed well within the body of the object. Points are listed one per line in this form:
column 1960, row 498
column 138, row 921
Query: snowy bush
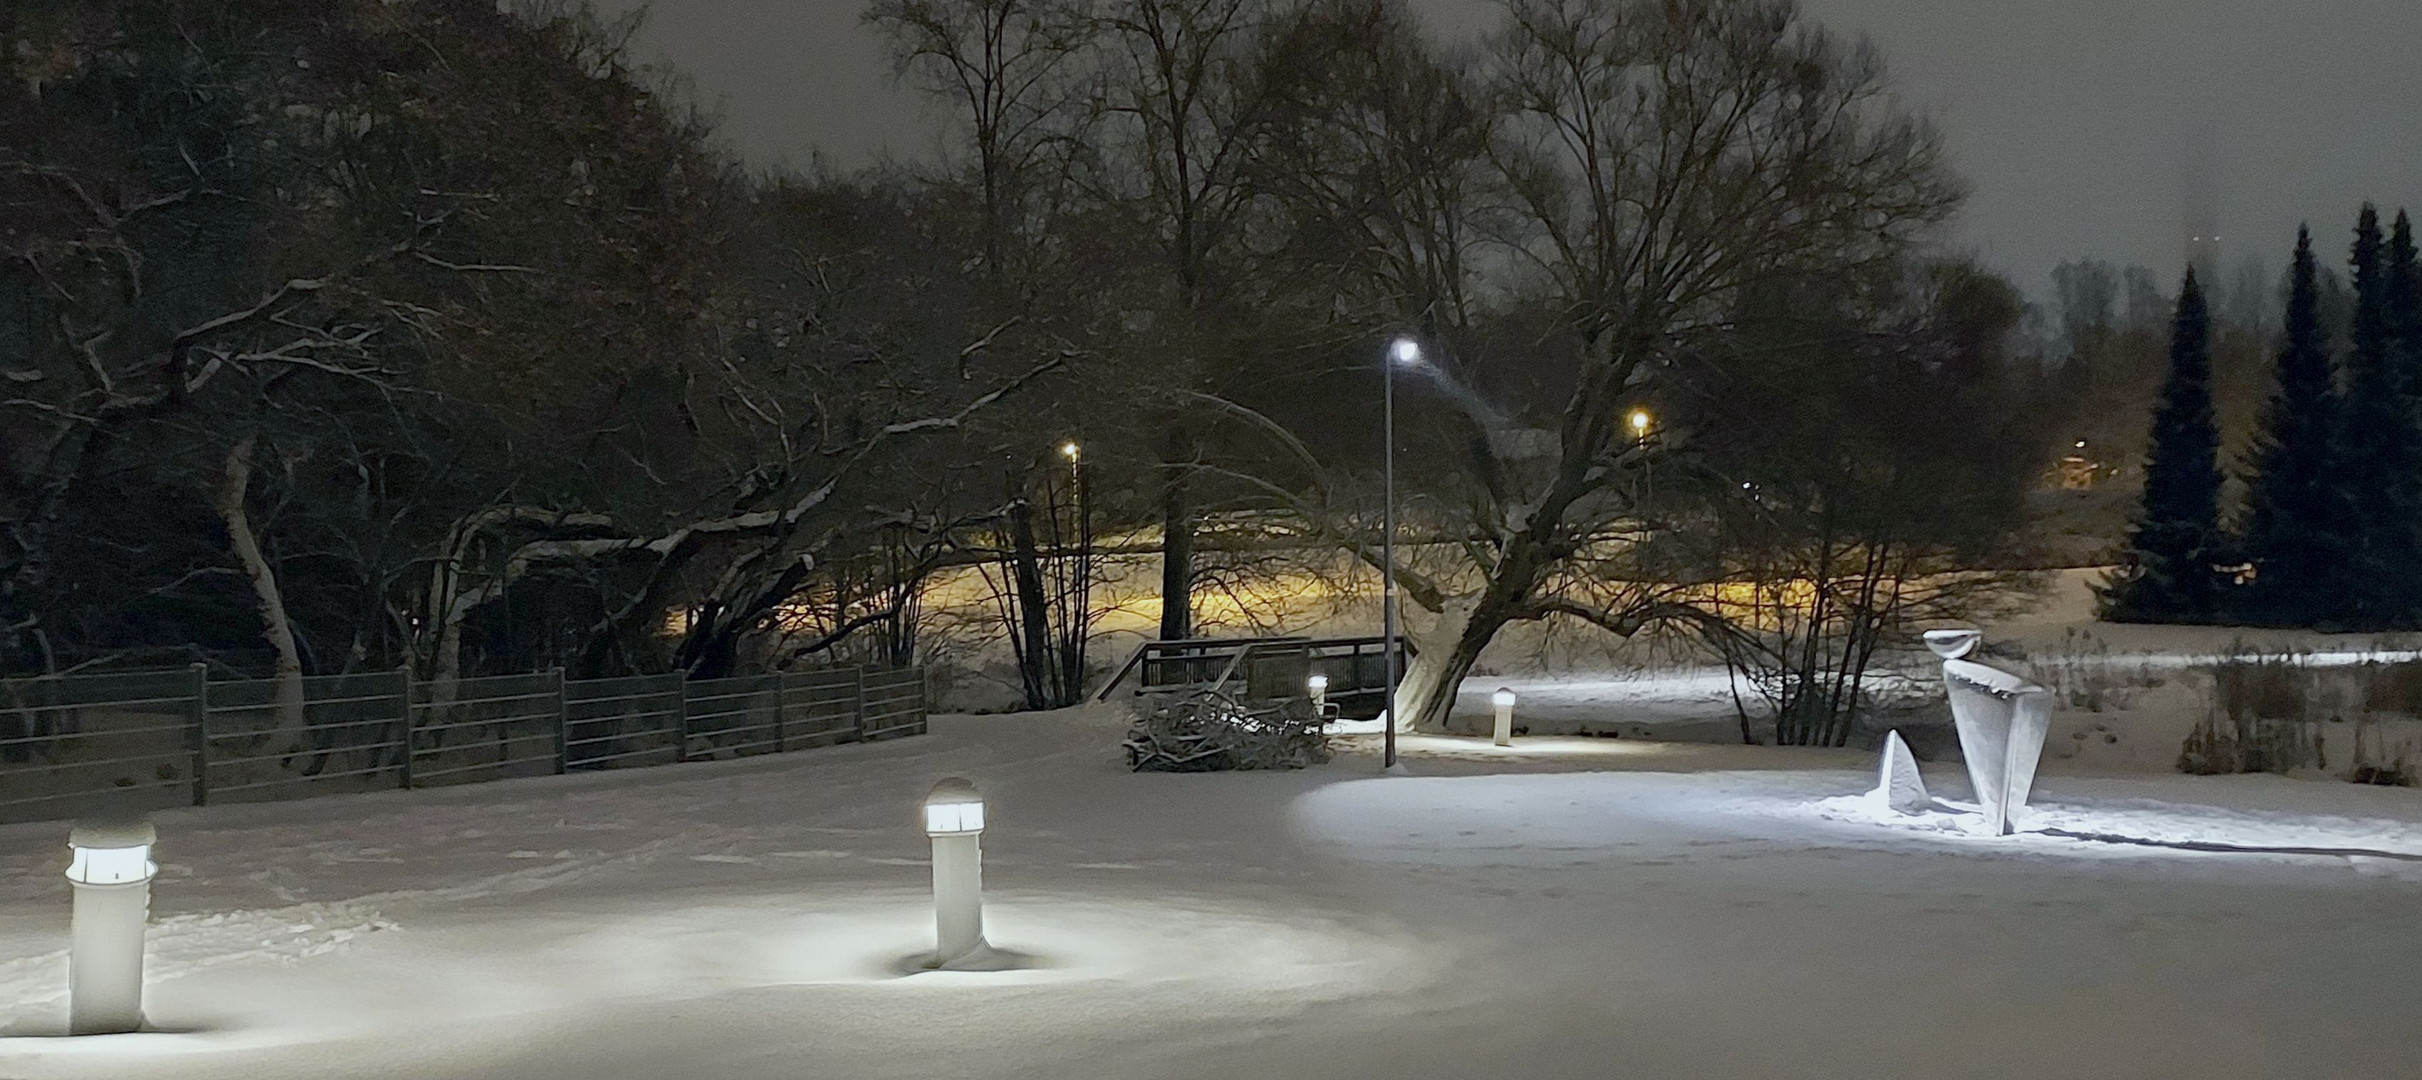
column 1205, row 732
column 2376, row 763
column 2260, row 720
column 2270, row 712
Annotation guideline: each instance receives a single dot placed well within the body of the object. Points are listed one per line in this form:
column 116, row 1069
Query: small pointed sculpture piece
column 1898, row 785
column 2001, row 719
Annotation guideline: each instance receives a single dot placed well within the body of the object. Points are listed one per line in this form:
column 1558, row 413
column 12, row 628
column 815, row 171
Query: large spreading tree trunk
column 1177, row 540
column 1425, row 693
column 1461, row 629
column 276, row 629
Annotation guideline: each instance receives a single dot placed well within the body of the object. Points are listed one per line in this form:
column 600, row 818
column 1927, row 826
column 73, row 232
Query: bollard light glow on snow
column 954, row 817
column 1503, row 699
column 111, row 872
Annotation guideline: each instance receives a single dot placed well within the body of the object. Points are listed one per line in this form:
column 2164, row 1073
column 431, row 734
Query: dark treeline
column 363, row 334
column 2329, row 534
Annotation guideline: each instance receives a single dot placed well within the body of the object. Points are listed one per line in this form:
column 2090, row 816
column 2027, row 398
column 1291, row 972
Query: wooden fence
column 148, row 740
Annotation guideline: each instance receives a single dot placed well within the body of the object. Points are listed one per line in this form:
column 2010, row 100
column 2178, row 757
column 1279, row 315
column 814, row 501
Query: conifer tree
column 2165, row 572
column 2288, row 535
column 2374, row 454
column 2401, row 316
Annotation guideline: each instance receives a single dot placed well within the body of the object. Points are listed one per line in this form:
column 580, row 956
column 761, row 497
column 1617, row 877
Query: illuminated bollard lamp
column 1318, row 687
column 111, row 872
column 954, row 817
column 1503, row 699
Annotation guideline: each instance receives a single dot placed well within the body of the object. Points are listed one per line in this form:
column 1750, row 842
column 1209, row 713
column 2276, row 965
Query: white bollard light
column 1318, row 685
column 111, row 872
column 1504, row 700
column 954, row 817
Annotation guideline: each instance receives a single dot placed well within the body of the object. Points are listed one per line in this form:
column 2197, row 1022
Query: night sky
column 2078, row 122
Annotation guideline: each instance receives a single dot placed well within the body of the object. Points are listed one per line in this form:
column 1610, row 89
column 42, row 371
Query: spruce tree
column 2401, row 318
column 2375, row 493
column 2288, row 535
column 2165, row 572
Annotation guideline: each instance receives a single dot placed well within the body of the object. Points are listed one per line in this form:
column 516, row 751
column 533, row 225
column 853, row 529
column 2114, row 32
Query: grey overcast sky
column 2073, row 120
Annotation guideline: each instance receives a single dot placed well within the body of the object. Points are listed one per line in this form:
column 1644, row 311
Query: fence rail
column 149, row 740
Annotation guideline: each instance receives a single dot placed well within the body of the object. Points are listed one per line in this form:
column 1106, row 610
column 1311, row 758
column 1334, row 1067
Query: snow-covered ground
column 1581, row 907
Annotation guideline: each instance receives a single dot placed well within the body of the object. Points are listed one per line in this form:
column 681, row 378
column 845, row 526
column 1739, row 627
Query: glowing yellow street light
column 1071, row 451
column 1639, row 423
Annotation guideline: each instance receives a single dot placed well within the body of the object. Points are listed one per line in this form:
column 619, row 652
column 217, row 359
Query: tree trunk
column 1177, row 540
column 1425, row 694
column 275, row 627
column 1034, row 608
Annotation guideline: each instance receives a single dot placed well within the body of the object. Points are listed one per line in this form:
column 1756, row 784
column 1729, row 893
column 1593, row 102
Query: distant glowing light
column 1070, row 450
column 1405, row 351
column 1639, row 421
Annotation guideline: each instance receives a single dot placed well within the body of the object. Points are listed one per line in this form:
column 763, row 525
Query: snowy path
column 1577, row 908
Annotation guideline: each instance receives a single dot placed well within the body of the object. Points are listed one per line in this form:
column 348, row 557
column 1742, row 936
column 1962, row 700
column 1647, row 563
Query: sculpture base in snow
column 1898, row 786
column 2001, row 719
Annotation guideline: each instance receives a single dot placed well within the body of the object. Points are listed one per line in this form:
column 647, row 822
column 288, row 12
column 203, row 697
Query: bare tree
column 1005, row 66
column 1660, row 158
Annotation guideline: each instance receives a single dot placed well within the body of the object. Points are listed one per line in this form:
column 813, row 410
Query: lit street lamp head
column 954, row 808
column 1639, row 421
column 1405, row 351
column 1071, row 451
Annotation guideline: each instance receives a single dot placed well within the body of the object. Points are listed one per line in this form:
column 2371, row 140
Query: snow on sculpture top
column 1991, row 680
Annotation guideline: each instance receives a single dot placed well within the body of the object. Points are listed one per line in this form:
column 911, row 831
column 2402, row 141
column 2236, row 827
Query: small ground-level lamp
column 1318, row 687
column 954, row 817
column 1639, row 423
column 1503, row 699
column 111, row 873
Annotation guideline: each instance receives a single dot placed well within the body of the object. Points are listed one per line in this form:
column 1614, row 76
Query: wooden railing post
column 197, row 727
column 858, row 689
column 563, row 723
column 782, row 697
column 403, row 712
column 681, row 716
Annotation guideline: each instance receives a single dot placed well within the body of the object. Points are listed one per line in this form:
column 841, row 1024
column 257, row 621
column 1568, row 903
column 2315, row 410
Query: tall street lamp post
column 1407, row 352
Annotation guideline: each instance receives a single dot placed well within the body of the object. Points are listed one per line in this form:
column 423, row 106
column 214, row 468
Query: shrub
column 1205, row 732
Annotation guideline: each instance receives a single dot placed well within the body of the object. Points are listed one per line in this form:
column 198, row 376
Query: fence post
column 782, row 697
column 197, row 738
column 403, row 693
column 858, row 685
column 563, row 722
column 681, row 716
